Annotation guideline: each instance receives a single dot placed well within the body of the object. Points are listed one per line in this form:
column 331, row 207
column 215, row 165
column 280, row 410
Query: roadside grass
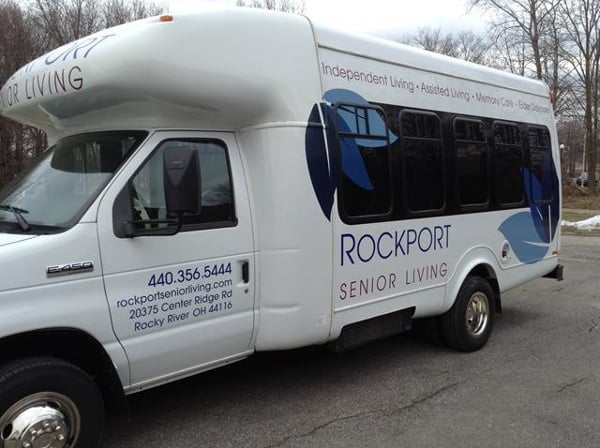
column 574, row 216
column 575, row 197
column 579, row 205
column 571, row 230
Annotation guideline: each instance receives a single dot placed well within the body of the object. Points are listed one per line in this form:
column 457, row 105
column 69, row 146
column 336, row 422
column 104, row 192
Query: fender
column 480, row 257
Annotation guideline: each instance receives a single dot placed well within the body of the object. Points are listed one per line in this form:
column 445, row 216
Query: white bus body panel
column 222, row 75
column 293, row 238
column 370, row 281
column 32, row 300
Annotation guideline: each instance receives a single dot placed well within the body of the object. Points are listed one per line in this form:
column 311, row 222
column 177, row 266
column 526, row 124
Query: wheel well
column 71, row 345
column 486, row 272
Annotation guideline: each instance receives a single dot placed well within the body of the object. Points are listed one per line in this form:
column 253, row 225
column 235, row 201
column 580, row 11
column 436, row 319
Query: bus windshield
column 53, row 196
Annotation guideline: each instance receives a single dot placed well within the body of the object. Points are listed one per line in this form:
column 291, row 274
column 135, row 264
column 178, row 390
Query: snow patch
column 592, row 223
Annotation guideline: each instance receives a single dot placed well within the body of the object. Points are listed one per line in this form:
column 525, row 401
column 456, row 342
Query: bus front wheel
column 47, row 402
column 467, row 326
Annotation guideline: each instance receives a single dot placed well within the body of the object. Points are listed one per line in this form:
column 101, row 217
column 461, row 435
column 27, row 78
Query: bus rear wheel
column 467, row 326
column 47, row 402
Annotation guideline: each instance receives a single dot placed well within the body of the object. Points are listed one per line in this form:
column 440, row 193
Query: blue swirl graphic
column 321, row 158
column 530, row 233
column 318, row 163
column 521, row 232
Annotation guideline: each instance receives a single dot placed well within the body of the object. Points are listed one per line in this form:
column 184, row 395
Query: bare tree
column 28, row 32
column 432, row 39
column 555, row 41
column 66, row 20
column 571, row 137
column 509, row 52
column 472, row 47
column 526, row 36
column 582, row 49
column 16, row 49
column 527, row 18
column 466, row 45
column 115, row 12
column 293, row 6
column 558, row 73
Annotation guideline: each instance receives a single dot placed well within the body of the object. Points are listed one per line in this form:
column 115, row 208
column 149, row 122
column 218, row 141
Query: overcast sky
column 390, row 18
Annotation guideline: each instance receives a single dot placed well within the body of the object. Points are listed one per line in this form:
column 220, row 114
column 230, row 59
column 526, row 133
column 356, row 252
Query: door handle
column 246, row 272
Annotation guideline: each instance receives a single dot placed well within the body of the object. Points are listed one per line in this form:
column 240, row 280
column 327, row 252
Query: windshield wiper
column 18, row 213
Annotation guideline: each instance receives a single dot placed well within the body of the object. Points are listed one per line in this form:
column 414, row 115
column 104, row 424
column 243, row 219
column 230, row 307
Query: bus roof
column 216, row 69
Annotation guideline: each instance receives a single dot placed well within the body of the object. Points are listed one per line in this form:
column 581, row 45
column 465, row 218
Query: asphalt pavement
column 536, row 384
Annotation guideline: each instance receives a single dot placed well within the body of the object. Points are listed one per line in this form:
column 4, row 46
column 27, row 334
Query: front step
column 361, row 333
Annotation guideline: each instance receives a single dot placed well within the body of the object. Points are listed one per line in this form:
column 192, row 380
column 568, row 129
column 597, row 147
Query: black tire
column 52, row 398
column 467, row 326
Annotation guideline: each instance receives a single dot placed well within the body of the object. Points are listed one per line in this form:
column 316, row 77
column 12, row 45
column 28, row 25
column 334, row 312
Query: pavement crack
column 319, row 427
column 571, row 384
column 425, row 398
column 328, row 423
column 595, row 324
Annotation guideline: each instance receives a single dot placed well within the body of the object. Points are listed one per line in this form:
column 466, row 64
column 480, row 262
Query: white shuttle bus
column 232, row 181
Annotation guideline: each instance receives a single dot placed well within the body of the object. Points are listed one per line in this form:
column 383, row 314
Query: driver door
column 179, row 302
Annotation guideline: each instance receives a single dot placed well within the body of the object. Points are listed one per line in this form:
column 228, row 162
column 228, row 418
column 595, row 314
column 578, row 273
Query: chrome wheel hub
column 478, row 313
column 42, row 420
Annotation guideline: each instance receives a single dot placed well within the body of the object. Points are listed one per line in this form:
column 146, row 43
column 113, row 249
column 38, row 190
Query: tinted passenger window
column 540, row 154
column 509, row 162
column 471, row 162
column 423, row 160
column 364, row 151
column 216, row 199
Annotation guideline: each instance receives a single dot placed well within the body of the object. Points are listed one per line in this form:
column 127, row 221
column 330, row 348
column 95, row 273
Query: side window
column 508, row 155
column 423, row 160
column 471, row 162
column 540, row 158
column 365, row 191
column 216, row 198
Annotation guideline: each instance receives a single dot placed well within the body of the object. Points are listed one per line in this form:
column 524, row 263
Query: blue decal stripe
column 318, row 166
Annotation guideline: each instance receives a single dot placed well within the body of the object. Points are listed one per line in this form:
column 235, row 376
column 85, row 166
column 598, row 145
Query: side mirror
column 182, row 181
column 181, row 184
